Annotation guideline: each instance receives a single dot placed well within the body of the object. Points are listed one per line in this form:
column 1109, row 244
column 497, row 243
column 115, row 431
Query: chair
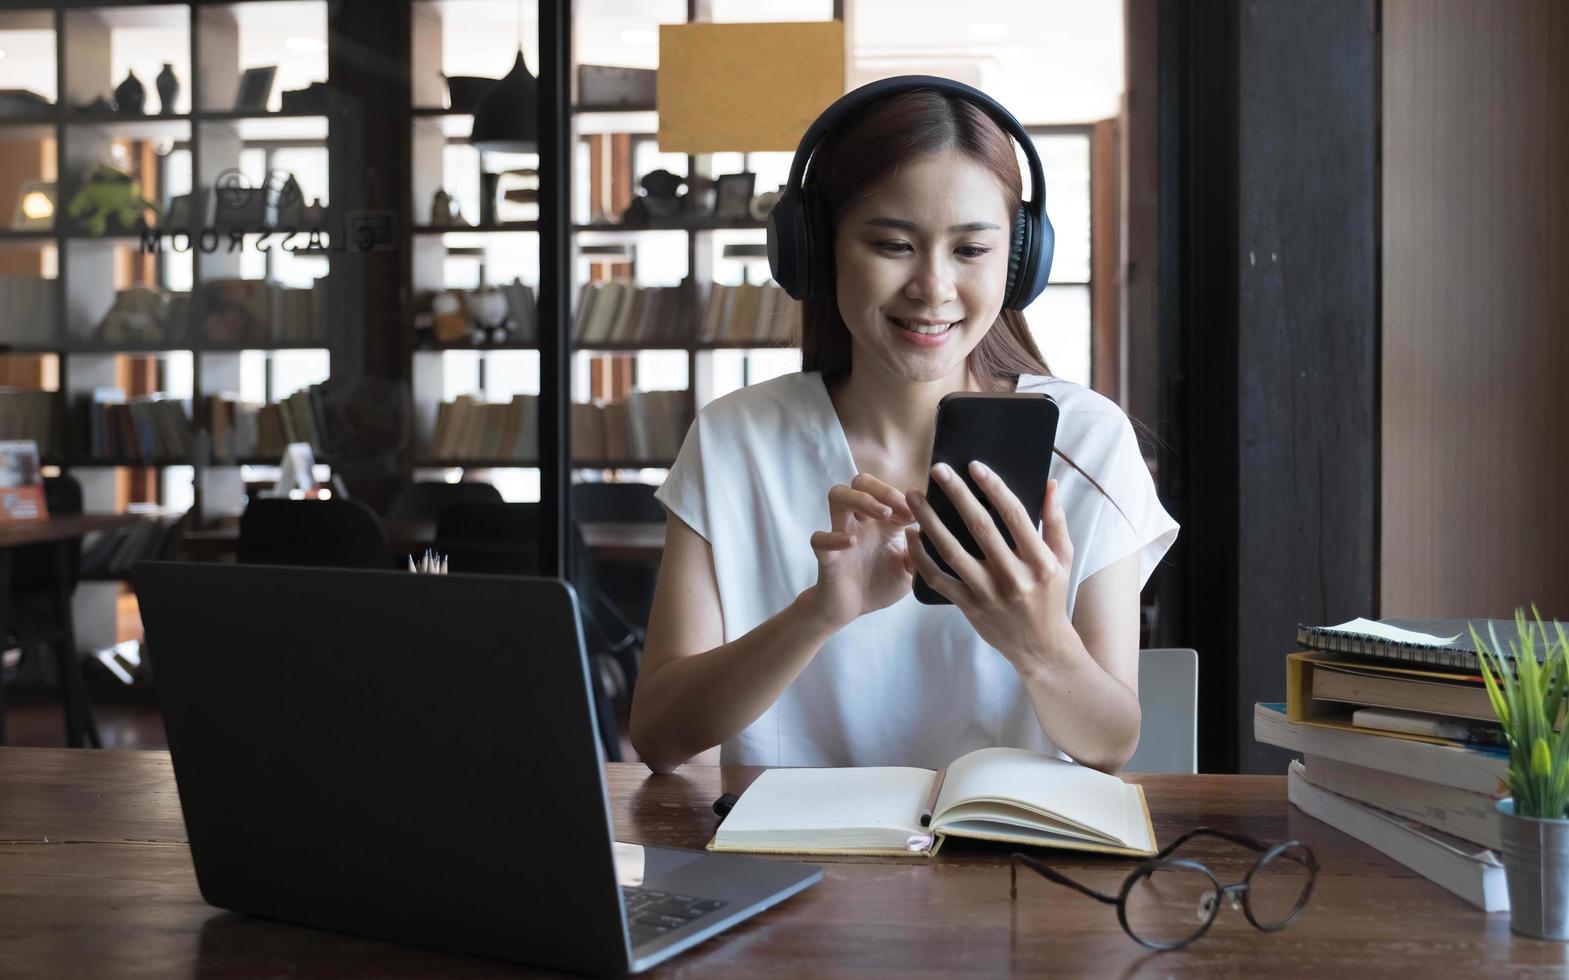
column 503, row 539
column 628, row 584
column 319, row 533
column 1168, row 697
column 426, row 501
column 616, row 502
column 42, row 581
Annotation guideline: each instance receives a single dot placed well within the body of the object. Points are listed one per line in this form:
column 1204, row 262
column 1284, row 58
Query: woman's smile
column 924, row 333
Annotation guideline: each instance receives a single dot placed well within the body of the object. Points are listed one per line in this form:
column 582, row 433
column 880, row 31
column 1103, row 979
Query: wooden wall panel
column 1475, row 307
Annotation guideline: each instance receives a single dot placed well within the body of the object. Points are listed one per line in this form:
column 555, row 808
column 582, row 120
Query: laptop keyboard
column 651, row 914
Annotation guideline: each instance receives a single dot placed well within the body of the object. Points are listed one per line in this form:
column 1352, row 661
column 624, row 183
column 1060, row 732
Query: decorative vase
column 130, row 96
column 1536, row 864
column 168, row 90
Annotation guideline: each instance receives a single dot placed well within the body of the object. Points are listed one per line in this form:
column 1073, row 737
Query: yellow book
column 1009, row 795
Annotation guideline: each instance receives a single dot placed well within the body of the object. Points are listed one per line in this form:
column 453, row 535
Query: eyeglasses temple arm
column 1058, row 877
column 1239, row 839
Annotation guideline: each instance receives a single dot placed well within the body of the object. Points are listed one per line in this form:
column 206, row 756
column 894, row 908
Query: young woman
column 783, row 627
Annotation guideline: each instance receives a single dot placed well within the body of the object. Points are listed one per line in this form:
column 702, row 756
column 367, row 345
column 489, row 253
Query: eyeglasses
column 1166, row 902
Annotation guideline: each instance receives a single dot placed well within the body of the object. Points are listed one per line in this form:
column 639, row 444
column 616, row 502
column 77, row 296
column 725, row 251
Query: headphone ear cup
column 819, row 267
column 786, row 245
column 1018, row 260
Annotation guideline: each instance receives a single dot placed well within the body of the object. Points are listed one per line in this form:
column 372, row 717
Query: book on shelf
column 27, row 413
column 240, row 312
column 617, row 313
column 152, row 427
column 998, row 794
column 28, row 310
column 246, row 430
column 522, row 312
column 468, row 428
column 749, row 312
column 1461, row 867
column 648, row 425
column 1444, row 642
column 113, row 552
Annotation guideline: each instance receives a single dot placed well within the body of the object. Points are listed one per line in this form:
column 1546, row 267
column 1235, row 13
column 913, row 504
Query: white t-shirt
column 910, row 684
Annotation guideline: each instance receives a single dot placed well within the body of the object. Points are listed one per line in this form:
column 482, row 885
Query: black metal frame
column 1238, row 892
column 555, row 282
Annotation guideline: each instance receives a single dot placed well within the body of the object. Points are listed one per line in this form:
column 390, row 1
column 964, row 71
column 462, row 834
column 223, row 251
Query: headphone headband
column 851, row 102
column 798, row 265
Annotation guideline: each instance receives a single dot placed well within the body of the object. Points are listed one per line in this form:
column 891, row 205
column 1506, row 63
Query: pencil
column 931, row 801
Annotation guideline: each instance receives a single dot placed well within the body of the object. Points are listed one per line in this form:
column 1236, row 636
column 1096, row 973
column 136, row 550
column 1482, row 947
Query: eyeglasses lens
column 1278, row 888
column 1170, row 904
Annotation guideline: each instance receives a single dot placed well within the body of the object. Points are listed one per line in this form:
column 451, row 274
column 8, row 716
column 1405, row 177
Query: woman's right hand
column 862, row 564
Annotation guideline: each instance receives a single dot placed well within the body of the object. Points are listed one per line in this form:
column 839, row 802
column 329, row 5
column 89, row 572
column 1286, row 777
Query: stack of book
column 748, row 313
column 245, row 430
column 619, row 312
column 27, row 310
column 152, row 428
column 1400, row 748
column 30, row 414
column 647, row 427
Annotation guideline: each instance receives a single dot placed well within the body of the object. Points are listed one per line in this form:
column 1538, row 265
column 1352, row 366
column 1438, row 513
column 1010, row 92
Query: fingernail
column 979, row 469
column 944, row 471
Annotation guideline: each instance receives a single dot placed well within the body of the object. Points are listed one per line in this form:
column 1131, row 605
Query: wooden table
column 96, row 880
column 59, row 531
column 608, row 540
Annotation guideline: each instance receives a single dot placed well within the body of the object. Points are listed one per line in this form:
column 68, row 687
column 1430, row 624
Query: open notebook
column 1009, row 795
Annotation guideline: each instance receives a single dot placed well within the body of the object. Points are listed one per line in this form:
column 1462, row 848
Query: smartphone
column 1013, row 433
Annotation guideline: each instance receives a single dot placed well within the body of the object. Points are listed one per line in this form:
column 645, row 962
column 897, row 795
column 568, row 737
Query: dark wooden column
column 1269, row 266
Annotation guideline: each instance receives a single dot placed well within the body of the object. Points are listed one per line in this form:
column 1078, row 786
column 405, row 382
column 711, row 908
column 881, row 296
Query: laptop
column 414, row 758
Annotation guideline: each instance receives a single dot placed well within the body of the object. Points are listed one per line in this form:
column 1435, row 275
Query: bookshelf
column 442, row 160
column 73, row 55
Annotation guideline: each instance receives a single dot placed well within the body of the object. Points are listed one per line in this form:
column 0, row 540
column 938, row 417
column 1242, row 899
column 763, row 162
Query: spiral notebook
column 1445, row 642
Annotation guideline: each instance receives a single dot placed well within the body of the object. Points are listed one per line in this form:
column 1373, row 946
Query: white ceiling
column 1050, row 61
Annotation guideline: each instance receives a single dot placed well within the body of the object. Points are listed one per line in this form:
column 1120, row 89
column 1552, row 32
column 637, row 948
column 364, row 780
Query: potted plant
column 1528, row 695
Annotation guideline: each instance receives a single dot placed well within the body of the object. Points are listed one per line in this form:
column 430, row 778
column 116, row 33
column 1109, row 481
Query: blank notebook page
column 832, row 799
column 1076, row 793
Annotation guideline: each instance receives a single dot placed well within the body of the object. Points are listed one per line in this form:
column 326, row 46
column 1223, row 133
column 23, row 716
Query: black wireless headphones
column 800, row 230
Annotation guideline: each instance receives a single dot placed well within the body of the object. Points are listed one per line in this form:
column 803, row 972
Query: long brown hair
column 874, row 144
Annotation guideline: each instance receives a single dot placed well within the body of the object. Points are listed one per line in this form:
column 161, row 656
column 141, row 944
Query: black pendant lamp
column 507, row 118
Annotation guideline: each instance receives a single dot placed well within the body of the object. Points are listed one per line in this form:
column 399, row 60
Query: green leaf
column 1500, row 708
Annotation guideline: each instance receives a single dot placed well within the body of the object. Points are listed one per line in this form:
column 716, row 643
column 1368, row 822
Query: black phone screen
column 1013, row 434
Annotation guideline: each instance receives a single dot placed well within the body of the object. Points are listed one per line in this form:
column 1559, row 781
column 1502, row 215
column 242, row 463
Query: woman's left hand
column 1017, row 599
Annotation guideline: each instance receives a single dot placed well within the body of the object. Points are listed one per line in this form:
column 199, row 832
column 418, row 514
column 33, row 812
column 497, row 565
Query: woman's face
column 922, row 262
